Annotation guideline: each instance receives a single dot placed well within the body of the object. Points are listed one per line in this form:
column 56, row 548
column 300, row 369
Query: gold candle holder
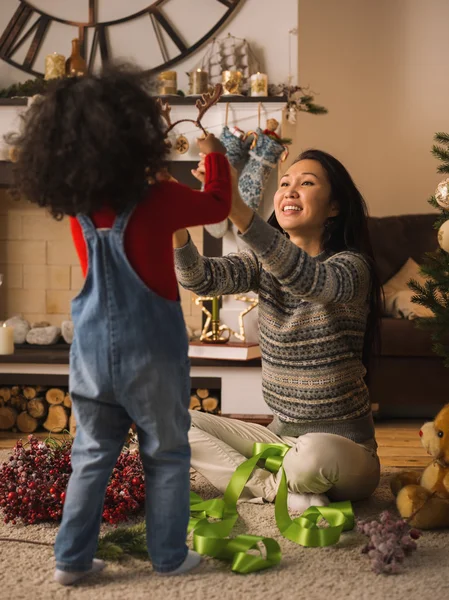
column 259, row 84
column 54, row 66
column 214, row 336
column 167, row 83
column 231, row 81
column 199, row 82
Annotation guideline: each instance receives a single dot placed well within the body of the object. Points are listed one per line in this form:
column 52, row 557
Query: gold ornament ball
column 443, row 236
column 442, row 194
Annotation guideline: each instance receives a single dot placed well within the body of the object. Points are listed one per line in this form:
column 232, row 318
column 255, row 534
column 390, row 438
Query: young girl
column 88, row 149
column 318, row 313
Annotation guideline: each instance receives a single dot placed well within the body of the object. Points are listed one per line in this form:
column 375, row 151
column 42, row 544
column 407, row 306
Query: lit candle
column 199, row 82
column 259, row 84
column 6, row 340
column 215, row 310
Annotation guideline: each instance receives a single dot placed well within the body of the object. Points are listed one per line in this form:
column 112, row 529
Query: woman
column 319, row 301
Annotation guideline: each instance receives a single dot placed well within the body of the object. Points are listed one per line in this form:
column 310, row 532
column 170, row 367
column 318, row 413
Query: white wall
column 381, row 68
column 253, row 21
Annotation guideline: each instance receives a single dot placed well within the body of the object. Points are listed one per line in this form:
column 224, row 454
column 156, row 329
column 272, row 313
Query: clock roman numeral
column 100, row 39
column 16, row 35
column 166, row 25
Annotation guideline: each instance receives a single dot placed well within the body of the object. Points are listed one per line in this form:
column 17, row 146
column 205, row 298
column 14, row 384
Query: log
column 18, row 402
column 37, row 408
column 195, row 404
column 210, row 404
column 202, row 393
column 15, row 402
column 72, row 425
column 5, row 394
column 26, row 422
column 15, row 390
column 29, row 392
column 67, row 401
column 56, row 419
column 8, row 417
column 55, row 396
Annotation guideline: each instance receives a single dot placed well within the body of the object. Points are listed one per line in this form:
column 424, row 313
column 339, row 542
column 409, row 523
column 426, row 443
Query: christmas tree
column 434, row 293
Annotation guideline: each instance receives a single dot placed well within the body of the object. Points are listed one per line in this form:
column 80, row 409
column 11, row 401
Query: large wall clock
column 176, row 30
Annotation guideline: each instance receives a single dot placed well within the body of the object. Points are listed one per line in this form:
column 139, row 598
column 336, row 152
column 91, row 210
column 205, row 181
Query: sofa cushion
column 395, row 239
column 398, row 296
column 401, row 337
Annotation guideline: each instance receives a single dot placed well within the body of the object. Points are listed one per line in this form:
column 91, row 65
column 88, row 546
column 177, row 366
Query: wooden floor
column 399, row 444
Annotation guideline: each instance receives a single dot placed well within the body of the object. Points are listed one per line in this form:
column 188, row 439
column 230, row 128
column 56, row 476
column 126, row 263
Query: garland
column 31, row 87
column 34, row 480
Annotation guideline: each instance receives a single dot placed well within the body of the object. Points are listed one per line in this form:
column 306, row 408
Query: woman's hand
column 180, row 238
column 241, row 215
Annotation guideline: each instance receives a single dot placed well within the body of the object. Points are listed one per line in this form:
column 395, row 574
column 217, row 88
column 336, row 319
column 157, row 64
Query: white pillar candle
column 259, row 84
column 6, row 340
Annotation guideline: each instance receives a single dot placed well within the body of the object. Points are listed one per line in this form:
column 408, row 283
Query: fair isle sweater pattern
column 312, row 320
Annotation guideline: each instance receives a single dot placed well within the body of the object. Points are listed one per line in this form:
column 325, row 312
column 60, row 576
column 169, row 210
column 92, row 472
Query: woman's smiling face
column 302, row 203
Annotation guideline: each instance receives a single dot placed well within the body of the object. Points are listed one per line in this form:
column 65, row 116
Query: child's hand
column 200, row 172
column 210, row 144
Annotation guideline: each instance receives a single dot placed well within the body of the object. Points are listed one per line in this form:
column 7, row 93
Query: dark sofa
column 407, row 379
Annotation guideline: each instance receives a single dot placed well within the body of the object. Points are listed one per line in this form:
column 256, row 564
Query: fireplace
column 42, row 273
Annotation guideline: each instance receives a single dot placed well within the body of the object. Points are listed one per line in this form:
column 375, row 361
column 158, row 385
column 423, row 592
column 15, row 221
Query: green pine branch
column 442, row 138
column 434, row 293
column 30, row 87
column 440, row 153
column 124, row 541
column 315, row 109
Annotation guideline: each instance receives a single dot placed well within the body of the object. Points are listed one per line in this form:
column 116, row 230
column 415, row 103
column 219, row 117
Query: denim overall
column 128, row 363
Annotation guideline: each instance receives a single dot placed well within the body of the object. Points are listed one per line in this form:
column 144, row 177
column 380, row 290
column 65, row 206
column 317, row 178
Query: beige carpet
column 339, row 572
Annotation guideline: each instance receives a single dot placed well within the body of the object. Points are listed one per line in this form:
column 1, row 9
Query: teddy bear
column 423, row 498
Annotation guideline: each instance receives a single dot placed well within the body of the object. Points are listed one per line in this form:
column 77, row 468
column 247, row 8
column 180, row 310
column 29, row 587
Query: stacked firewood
column 204, row 400
column 30, row 408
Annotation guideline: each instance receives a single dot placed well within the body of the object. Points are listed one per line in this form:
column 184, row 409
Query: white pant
column 318, row 463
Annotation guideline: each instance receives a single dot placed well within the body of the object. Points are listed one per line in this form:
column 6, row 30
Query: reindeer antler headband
column 203, row 104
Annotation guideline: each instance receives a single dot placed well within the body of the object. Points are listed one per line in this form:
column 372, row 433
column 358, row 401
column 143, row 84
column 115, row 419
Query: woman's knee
column 307, row 467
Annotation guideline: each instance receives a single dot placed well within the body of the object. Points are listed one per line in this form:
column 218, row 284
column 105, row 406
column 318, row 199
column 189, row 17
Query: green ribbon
column 250, row 553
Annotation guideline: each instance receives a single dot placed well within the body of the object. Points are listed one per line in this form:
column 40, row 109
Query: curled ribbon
column 249, row 553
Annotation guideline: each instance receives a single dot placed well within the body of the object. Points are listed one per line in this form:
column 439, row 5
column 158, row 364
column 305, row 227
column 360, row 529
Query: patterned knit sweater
column 312, row 320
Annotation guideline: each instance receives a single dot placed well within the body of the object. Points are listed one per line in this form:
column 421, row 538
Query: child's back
column 100, row 138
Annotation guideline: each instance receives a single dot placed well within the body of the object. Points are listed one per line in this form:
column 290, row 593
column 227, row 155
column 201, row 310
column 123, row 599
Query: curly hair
column 90, row 142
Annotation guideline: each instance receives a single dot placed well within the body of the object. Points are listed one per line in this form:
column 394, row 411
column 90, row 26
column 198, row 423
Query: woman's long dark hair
column 90, row 141
column 349, row 231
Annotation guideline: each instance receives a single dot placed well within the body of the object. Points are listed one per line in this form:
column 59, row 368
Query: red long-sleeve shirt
column 169, row 206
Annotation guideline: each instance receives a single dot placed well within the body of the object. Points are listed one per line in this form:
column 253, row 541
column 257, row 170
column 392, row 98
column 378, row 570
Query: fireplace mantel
column 242, row 111
column 30, row 365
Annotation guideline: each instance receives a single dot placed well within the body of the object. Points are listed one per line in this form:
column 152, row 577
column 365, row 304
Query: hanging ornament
column 443, row 236
column 442, row 194
column 181, row 144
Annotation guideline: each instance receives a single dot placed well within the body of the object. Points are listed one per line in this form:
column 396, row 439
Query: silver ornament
column 442, row 194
